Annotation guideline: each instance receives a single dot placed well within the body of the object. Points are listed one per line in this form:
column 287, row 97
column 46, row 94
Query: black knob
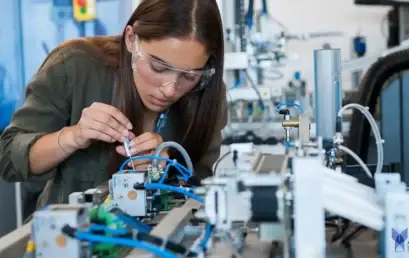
column 284, row 112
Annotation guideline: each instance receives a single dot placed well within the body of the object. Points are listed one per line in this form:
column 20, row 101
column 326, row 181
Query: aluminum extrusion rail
column 172, row 226
column 13, row 244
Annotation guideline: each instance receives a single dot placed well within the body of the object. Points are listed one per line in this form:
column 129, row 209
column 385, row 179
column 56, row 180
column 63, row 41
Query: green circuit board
column 105, row 250
column 167, row 202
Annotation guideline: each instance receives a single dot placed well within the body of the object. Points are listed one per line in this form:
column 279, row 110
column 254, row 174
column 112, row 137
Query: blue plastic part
column 288, row 104
column 297, row 75
column 360, row 46
column 62, row 3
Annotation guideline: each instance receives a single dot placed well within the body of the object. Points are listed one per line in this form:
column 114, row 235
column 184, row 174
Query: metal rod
column 19, row 205
column 328, row 98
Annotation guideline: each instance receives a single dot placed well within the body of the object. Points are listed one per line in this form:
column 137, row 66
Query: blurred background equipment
column 29, row 30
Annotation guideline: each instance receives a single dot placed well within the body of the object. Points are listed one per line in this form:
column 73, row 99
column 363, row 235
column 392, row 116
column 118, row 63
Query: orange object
column 61, row 241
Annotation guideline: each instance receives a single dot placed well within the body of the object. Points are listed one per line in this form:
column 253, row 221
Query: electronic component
column 155, row 172
column 303, row 125
column 128, row 150
column 240, row 198
column 128, row 193
column 90, row 197
column 48, row 238
column 85, row 10
column 108, row 220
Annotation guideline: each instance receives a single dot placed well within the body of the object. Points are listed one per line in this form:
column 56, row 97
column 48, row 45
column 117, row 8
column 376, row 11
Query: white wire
column 357, row 158
column 375, row 129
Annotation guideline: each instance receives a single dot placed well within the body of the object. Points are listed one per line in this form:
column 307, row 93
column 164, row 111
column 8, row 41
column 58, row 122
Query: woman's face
column 165, row 70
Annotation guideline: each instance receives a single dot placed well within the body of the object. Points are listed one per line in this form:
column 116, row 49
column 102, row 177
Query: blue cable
column 175, row 189
column 114, row 231
column 124, row 242
column 134, row 224
column 161, row 122
column 165, row 173
column 239, row 82
column 264, row 10
column 288, row 104
column 185, row 172
column 250, row 14
column 207, row 235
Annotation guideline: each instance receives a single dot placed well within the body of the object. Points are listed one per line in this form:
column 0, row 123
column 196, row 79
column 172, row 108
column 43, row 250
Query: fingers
column 96, row 135
column 102, row 128
column 105, row 119
column 146, row 137
column 145, row 142
column 121, row 150
column 113, row 112
column 131, row 135
column 145, row 147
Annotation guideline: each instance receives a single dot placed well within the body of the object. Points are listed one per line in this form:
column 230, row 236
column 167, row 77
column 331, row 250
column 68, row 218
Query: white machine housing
column 228, row 197
column 392, row 195
column 47, row 235
column 124, row 195
column 90, row 197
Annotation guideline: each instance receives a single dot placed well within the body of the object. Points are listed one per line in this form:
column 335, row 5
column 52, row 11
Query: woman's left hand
column 144, row 144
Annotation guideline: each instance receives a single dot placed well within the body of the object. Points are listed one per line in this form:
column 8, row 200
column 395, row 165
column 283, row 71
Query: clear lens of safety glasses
column 187, row 80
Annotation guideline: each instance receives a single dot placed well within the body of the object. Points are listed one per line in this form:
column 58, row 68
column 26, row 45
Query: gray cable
column 179, row 148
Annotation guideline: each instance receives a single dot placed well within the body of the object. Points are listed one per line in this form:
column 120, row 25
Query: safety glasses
column 163, row 73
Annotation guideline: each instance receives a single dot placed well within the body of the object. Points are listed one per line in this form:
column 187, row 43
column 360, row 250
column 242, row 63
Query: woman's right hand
column 100, row 122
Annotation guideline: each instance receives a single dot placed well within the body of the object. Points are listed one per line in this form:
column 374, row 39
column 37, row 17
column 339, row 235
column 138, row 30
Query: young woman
column 160, row 80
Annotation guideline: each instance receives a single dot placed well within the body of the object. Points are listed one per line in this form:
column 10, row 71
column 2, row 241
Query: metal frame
column 171, row 226
column 395, row 126
column 13, row 244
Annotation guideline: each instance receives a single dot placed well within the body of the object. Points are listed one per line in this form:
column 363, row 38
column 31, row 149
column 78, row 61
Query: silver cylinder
column 328, row 90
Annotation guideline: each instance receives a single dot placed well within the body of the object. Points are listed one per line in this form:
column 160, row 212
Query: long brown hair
column 159, row 19
column 156, row 20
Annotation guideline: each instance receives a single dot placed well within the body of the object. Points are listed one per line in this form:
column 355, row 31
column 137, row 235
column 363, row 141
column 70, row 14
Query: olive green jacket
column 55, row 99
